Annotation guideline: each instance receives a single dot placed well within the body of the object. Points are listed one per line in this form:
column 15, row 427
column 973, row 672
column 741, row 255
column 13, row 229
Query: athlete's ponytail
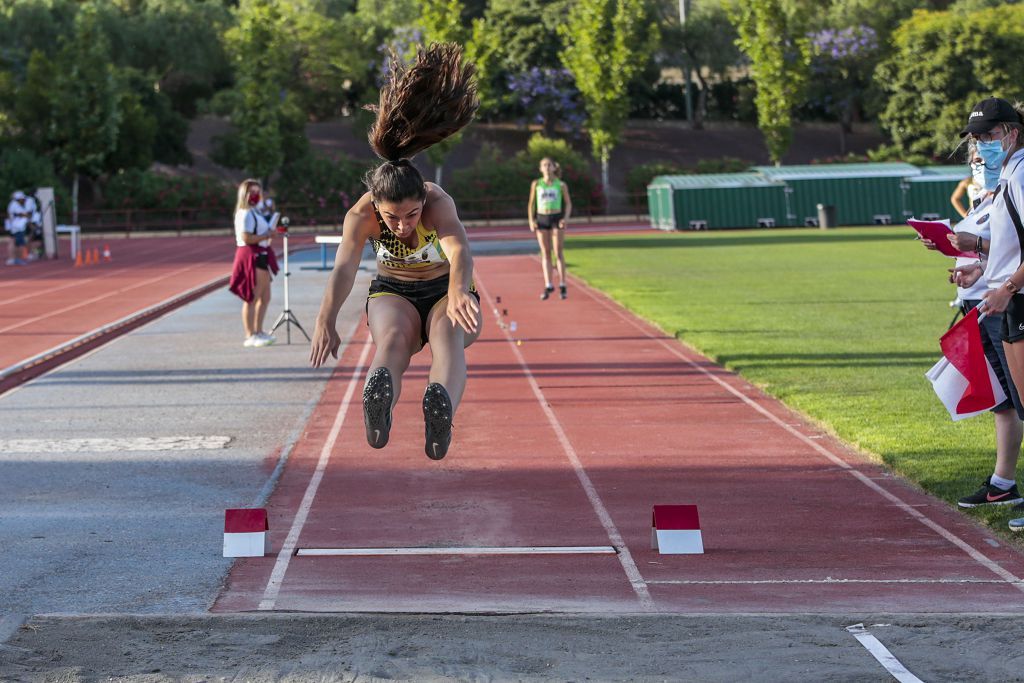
column 420, row 105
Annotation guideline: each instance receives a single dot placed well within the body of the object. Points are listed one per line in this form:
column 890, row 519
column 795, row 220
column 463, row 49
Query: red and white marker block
column 675, row 530
column 246, row 532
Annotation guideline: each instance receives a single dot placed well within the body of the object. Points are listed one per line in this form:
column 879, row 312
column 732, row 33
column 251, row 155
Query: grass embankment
column 840, row 325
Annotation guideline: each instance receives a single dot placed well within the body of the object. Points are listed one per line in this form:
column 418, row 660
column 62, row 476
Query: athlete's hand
column 533, row 226
column 463, row 310
column 325, row 341
column 928, row 244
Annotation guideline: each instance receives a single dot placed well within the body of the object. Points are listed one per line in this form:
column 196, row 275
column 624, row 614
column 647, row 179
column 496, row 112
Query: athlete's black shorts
column 546, row 221
column 422, row 294
column 262, row 261
column 1013, row 319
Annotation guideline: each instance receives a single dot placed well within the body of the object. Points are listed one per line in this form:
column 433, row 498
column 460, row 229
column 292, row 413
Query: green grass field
column 840, row 325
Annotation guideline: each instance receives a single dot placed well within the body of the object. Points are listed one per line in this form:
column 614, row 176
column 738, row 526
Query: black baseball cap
column 988, row 113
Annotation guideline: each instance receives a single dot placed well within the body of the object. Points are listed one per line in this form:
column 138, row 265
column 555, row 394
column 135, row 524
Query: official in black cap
column 989, row 113
column 997, row 128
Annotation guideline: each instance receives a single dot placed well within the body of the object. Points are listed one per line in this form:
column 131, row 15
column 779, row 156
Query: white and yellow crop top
column 393, row 254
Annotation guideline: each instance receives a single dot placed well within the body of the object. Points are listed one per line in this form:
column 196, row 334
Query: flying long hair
column 420, row 105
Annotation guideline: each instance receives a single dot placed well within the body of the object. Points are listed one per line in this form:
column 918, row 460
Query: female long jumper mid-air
column 423, row 292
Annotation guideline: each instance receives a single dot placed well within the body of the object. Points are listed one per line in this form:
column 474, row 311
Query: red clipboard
column 937, row 232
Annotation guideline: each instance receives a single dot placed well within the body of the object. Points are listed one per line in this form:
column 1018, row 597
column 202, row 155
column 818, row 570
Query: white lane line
column 882, row 654
column 122, row 290
column 103, row 329
column 268, row 487
column 284, row 556
column 756, row 582
column 106, row 274
column 114, row 445
column 970, row 550
column 625, row 557
column 469, row 550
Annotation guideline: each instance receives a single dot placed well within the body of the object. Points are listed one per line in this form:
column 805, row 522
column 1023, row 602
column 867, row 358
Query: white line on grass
column 974, row 553
column 882, row 654
column 625, row 558
column 284, row 556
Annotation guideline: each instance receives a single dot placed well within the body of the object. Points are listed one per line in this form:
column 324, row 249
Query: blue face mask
column 993, row 154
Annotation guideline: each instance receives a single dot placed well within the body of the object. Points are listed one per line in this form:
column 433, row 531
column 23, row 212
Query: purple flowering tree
column 842, row 61
column 548, row 97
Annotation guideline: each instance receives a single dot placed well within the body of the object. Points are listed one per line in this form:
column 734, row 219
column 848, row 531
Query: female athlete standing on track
column 549, row 209
column 424, row 290
column 254, row 262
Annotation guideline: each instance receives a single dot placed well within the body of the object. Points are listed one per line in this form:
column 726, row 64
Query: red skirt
column 243, row 272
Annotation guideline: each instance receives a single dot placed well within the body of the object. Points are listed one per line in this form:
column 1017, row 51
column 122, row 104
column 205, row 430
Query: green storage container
column 927, row 195
column 863, row 194
column 726, row 200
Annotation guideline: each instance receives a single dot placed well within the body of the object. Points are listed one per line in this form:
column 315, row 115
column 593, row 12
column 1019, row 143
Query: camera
column 282, row 226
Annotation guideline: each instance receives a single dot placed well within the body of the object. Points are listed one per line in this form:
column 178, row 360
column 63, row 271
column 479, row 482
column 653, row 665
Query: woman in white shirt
column 997, row 129
column 255, row 262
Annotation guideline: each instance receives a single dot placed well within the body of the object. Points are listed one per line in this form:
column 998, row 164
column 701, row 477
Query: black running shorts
column 422, row 294
column 1013, row 319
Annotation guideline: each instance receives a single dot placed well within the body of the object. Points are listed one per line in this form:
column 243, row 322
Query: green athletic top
column 549, row 197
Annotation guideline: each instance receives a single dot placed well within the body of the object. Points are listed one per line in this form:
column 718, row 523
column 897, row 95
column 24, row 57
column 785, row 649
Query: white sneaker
column 264, row 339
column 250, row 341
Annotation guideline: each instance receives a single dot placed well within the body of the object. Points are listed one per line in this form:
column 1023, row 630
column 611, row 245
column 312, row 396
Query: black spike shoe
column 437, row 421
column 377, row 396
column 547, row 292
column 562, row 291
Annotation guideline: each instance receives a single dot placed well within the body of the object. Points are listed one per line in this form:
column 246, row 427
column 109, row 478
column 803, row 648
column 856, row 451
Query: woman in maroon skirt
column 255, row 262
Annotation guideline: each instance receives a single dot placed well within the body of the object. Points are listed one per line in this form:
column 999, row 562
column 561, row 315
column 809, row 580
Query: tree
column 266, row 117
column 942, row 64
column 709, row 40
column 779, row 54
column 84, row 116
column 842, row 62
column 607, row 42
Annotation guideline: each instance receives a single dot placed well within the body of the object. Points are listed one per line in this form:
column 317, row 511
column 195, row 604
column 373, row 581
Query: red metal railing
column 189, row 219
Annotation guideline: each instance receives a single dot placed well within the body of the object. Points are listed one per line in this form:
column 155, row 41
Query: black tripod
column 287, row 318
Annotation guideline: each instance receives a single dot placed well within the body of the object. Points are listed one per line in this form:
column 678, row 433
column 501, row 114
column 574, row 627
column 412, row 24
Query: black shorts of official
column 992, row 334
column 422, row 294
column 546, row 221
column 1013, row 319
column 262, row 261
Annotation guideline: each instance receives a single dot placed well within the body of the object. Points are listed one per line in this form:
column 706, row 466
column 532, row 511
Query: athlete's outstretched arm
column 346, row 263
column 463, row 309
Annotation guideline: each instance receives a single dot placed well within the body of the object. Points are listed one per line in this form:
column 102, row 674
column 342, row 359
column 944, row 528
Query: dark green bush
column 23, row 169
column 316, row 185
column 135, row 189
column 496, row 186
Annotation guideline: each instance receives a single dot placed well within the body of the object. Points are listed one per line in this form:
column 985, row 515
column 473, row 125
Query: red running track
column 52, row 311
column 568, row 440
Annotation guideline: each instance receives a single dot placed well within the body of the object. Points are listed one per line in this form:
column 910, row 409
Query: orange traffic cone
column 78, row 259
column 96, row 255
column 106, row 252
column 88, row 257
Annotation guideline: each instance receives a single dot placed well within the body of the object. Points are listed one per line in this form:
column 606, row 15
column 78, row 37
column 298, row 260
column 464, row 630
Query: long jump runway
column 575, row 423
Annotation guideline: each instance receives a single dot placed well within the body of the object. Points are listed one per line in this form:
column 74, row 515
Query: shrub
column 722, row 165
column 23, row 169
column 498, row 186
column 315, row 185
column 136, row 189
column 639, row 177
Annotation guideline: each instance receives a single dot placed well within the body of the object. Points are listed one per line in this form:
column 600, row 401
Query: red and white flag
column 964, row 380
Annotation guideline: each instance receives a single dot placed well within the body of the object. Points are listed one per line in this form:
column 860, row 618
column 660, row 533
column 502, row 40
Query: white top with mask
column 1006, row 251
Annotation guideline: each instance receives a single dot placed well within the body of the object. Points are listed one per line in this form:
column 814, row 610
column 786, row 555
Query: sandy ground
column 506, row 648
